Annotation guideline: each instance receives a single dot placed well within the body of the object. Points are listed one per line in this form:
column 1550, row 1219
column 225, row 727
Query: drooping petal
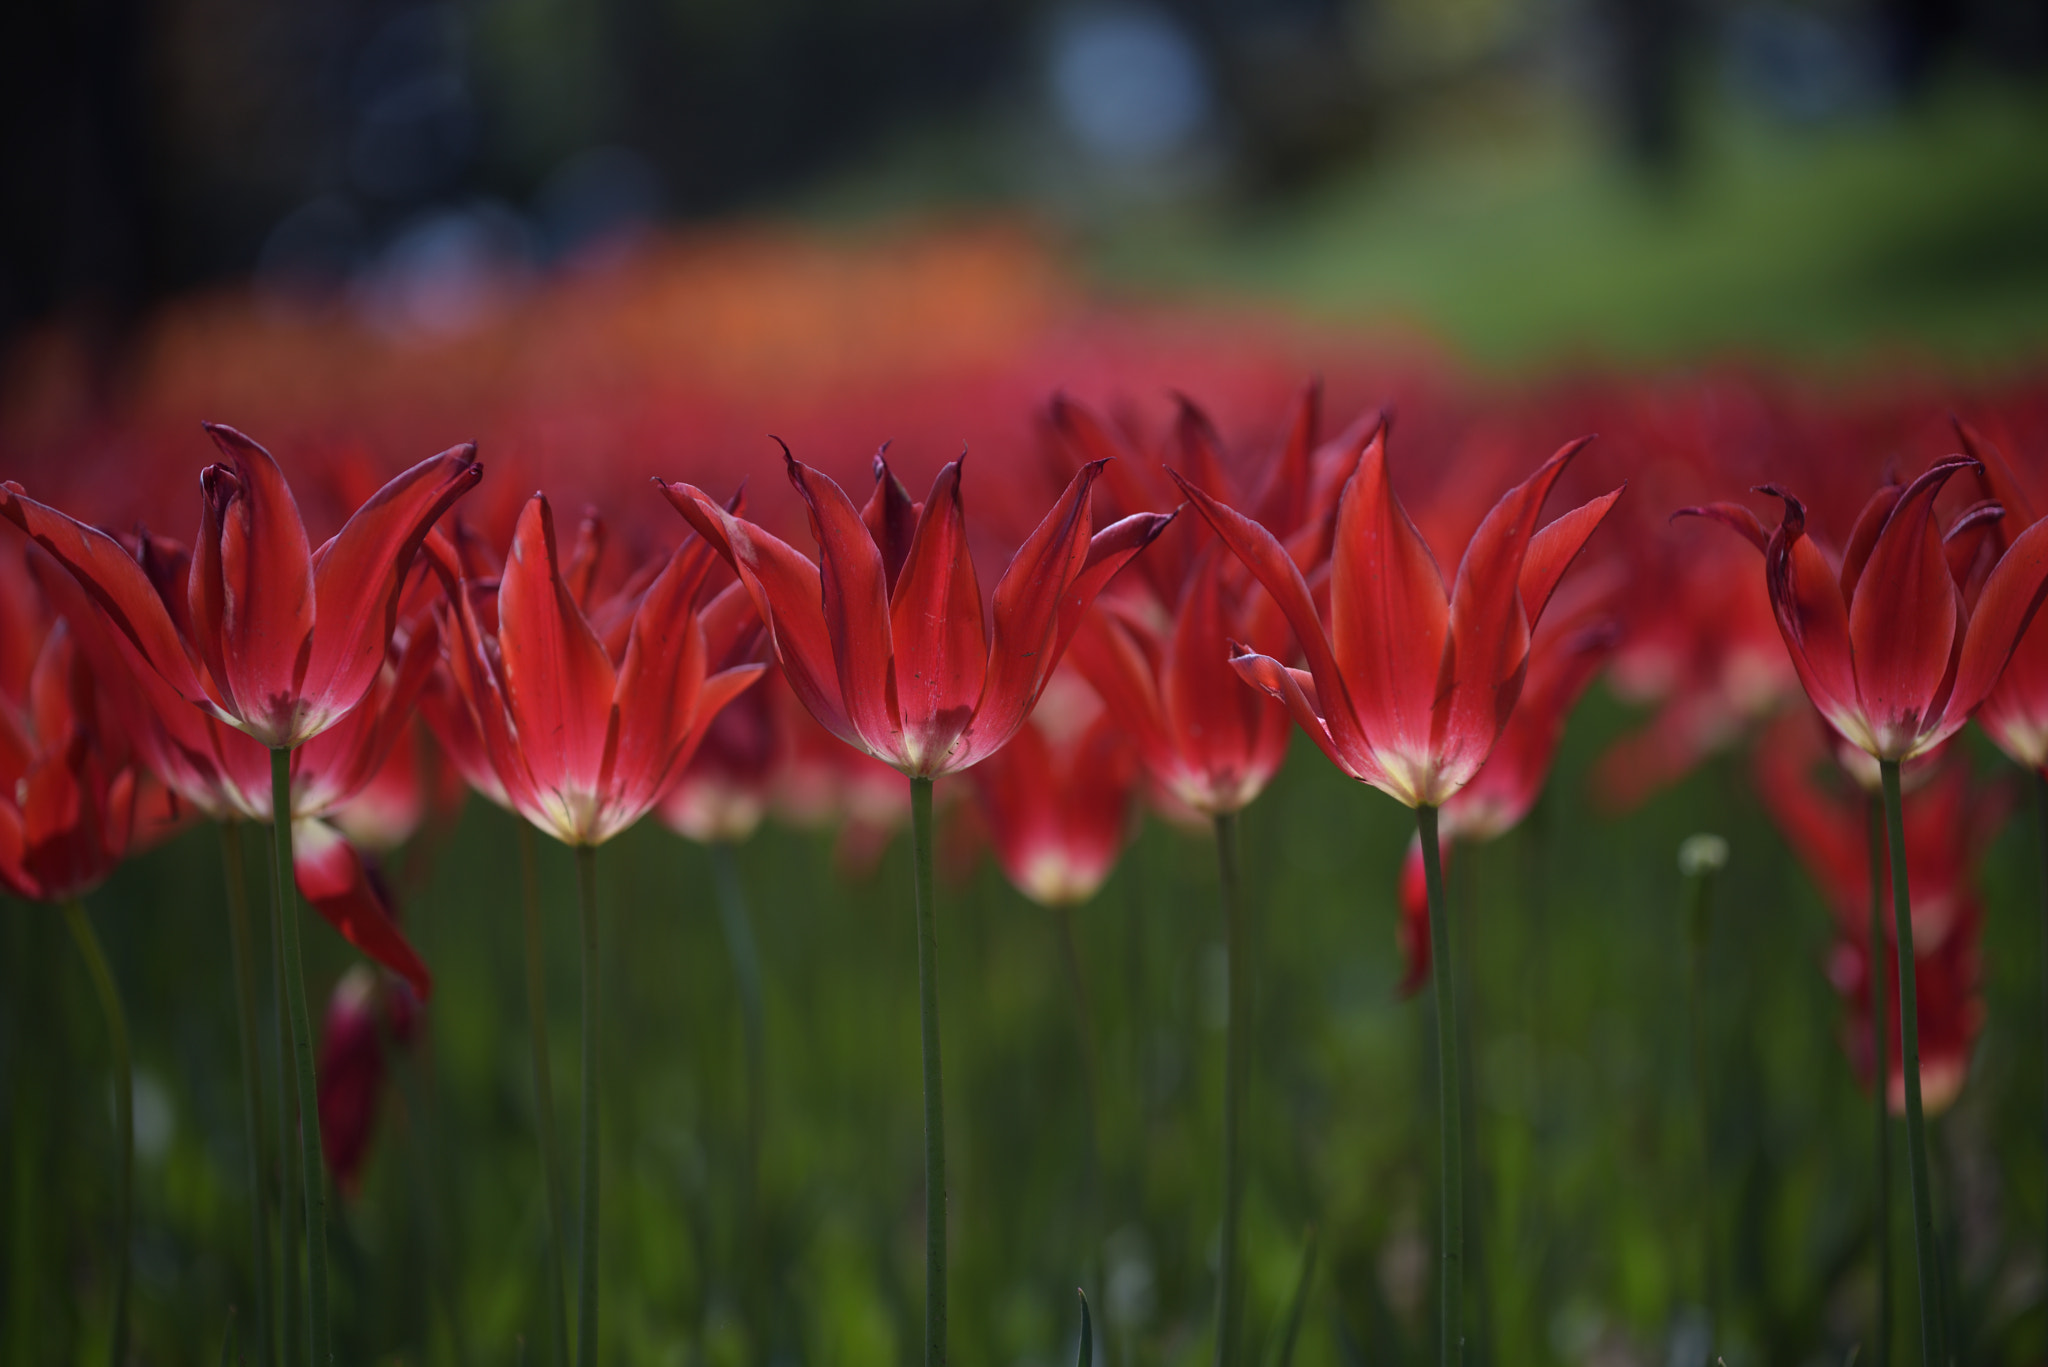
column 331, row 877
column 359, row 575
column 1389, row 614
column 116, row 583
column 941, row 645
column 559, row 682
column 1903, row 621
column 787, row 592
column 856, row 605
column 1299, row 692
column 1737, row 517
column 252, row 575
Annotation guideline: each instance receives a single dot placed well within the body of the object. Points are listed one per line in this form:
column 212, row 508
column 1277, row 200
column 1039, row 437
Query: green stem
column 2041, row 841
column 586, row 1286
column 242, row 945
column 1880, row 1055
column 1451, row 1348
column 291, row 1297
column 745, row 955
column 1924, row 1251
column 284, row 905
column 934, row 1086
column 544, row 1087
column 124, row 1117
column 1236, row 1072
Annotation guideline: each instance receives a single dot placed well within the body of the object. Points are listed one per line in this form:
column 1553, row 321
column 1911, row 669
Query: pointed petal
column 115, row 583
column 1737, row 517
column 1552, row 550
column 1390, row 618
column 252, row 575
column 659, row 682
column 1903, row 621
column 1999, row 474
column 358, row 576
column 331, row 876
column 1806, row 597
column 1283, row 502
column 559, row 682
column 2004, row 610
column 1863, row 536
column 1282, row 578
column 786, row 590
column 891, row 519
column 856, row 605
column 941, row 646
column 1211, row 714
column 1109, row 550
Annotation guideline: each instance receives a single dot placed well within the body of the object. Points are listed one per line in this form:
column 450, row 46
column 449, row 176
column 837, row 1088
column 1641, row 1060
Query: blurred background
column 1626, row 176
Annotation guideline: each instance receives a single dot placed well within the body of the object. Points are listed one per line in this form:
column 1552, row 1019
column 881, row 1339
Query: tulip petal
column 1275, row 568
column 1552, row 550
column 659, row 681
column 2004, row 610
column 1806, row 598
column 786, row 590
column 1283, row 502
column 358, row 576
column 1109, row 658
column 941, row 645
column 559, row 682
column 1109, row 550
column 856, row 603
column 1389, row 615
column 117, row 584
column 1298, row 691
column 1209, row 712
column 252, row 588
column 331, row 877
column 1863, row 536
column 1904, row 620
column 1737, row 517
column 891, row 519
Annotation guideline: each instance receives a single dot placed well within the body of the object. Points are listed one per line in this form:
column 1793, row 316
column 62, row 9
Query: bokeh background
column 633, row 237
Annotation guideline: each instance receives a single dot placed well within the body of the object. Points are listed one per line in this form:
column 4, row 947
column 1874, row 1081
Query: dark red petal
column 891, row 519
column 259, row 569
column 1283, row 502
column 1737, row 517
column 1903, row 621
column 1863, row 537
column 2011, row 596
column 658, row 686
column 1806, row 597
column 787, row 592
column 331, row 877
column 1208, row 709
column 559, row 682
column 941, row 645
column 115, row 583
column 1115, row 666
column 1389, row 616
column 856, row 606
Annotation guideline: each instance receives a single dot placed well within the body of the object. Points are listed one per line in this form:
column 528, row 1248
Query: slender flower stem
column 1237, row 969
column 2041, row 841
column 544, row 1087
column 1084, row 1032
column 1880, row 1057
column 242, row 945
column 745, row 955
column 284, row 902
column 1925, row 1253
column 586, row 1286
column 291, row 1298
column 1451, row 1348
column 124, row 1118
column 934, row 1086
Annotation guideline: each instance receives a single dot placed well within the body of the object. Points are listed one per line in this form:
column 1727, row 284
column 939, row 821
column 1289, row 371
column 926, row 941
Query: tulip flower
column 277, row 640
column 366, row 1018
column 587, row 711
column 885, row 642
column 1410, row 687
column 1897, row 645
column 1158, row 652
column 67, row 810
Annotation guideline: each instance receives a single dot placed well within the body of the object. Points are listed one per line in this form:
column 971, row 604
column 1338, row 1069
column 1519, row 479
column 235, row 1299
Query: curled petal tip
column 785, row 448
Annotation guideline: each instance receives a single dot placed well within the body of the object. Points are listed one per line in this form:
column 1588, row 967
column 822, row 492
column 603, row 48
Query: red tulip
column 272, row 637
column 886, row 643
column 2015, row 713
column 366, row 1017
column 1057, row 798
column 1899, row 643
column 225, row 773
column 1948, row 979
column 1410, row 687
column 588, row 713
column 725, row 788
column 1158, row 650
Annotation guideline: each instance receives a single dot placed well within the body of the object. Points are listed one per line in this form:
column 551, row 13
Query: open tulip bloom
column 885, row 641
column 1897, row 643
column 1409, row 687
column 276, row 639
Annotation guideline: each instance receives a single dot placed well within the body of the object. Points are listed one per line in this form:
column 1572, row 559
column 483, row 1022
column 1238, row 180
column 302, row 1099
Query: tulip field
column 793, row 803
